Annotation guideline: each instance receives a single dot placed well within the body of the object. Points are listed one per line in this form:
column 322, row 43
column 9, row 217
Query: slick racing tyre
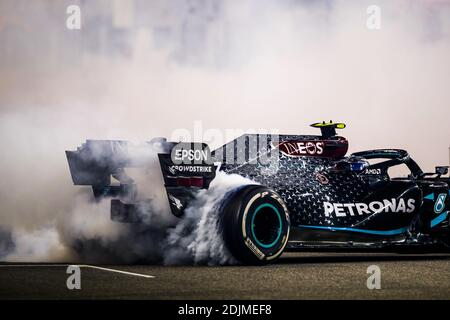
column 255, row 224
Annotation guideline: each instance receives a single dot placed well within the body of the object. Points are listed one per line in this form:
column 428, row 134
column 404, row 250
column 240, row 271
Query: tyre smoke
column 87, row 234
column 197, row 237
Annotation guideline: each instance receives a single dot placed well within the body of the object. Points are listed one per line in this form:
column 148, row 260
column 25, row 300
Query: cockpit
column 352, row 164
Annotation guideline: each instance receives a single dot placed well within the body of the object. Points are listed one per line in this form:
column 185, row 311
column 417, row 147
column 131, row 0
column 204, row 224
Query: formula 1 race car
column 307, row 194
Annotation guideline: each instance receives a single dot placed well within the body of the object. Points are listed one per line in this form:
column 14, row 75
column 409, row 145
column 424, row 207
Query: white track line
column 81, row 266
column 118, row 271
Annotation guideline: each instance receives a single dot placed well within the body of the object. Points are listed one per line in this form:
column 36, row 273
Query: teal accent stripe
column 429, row 197
column 376, row 232
column 439, row 219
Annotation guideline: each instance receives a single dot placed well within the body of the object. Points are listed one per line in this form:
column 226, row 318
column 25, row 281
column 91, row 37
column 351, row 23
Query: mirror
column 441, row 170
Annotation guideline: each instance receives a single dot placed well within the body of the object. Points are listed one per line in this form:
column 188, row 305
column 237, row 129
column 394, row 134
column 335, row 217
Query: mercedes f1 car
column 315, row 196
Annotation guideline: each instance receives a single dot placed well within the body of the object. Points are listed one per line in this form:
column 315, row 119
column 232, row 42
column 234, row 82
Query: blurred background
column 138, row 69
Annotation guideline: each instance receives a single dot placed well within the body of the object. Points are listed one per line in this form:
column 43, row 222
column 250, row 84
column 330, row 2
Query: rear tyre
column 255, row 224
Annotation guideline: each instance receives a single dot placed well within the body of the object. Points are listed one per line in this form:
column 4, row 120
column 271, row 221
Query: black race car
column 306, row 194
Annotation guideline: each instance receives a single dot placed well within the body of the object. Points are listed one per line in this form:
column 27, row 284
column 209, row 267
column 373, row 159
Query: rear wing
column 185, row 167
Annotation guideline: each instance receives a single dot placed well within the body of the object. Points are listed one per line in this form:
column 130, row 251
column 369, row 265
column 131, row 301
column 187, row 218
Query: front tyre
column 255, row 224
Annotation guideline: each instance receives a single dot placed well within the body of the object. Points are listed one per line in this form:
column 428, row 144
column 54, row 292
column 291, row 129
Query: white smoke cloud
column 87, row 234
column 267, row 64
column 36, row 246
column 197, row 238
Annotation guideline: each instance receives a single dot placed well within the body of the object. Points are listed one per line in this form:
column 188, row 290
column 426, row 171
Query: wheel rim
column 266, row 225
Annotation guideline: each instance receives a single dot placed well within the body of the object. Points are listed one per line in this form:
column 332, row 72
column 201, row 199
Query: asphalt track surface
column 295, row 276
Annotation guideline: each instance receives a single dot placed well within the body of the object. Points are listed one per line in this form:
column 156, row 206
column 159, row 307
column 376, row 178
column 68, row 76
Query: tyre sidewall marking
column 244, row 216
column 288, row 227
